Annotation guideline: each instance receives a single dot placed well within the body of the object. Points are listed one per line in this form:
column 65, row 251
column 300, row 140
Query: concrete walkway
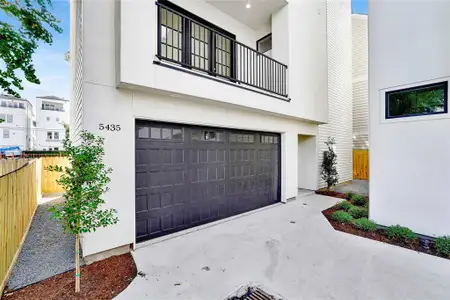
column 290, row 250
column 360, row 187
column 47, row 250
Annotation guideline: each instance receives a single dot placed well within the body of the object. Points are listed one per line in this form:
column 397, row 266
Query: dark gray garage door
column 187, row 176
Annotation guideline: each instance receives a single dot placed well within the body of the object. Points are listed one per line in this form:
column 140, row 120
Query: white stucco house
column 208, row 109
column 17, row 128
column 51, row 113
column 409, row 122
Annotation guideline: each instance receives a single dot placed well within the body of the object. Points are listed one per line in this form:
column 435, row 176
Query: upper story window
column 21, row 105
column 417, row 101
column 192, row 41
column 264, row 45
column 56, row 135
column 3, row 103
column 51, row 106
column 5, row 133
column 49, row 135
column 48, row 118
column 7, row 118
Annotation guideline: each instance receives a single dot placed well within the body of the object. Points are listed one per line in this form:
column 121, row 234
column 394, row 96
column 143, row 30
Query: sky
column 53, row 70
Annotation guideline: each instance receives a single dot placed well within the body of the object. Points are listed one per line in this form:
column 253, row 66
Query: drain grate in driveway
column 254, row 293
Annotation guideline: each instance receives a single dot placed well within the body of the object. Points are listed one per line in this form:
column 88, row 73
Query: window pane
column 9, row 118
column 56, row 135
column 49, row 135
column 423, row 100
column 6, row 133
column 166, row 134
column 265, row 44
column 143, row 132
column 155, row 133
column 177, row 134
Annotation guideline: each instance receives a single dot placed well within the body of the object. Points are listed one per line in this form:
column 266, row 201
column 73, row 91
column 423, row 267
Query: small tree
column 84, row 182
column 329, row 172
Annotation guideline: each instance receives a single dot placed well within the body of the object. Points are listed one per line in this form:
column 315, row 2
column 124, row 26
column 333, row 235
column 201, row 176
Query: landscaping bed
column 101, row 281
column 344, row 217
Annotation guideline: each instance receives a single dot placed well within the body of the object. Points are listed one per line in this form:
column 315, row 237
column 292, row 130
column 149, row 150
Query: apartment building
column 51, row 114
column 208, row 108
column 17, row 128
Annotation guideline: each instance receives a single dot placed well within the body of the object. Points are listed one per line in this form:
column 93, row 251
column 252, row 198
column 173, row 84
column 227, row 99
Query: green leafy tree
column 30, row 23
column 84, row 182
column 329, row 172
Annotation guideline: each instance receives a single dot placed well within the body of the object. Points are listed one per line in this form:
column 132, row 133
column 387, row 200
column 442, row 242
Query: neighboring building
column 360, row 82
column 339, row 125
column 51, row 114
column 17, row 128
column 409, row 123
column 198, row 125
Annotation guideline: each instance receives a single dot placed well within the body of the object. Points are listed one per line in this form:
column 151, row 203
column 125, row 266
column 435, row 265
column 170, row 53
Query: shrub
column 358, row 212
column 442, row 244
column 397, row 232
column 329, row 171
column 365, row 224
column 345, row 205
column 349, row 195
column 342, row 216
column 359, row 200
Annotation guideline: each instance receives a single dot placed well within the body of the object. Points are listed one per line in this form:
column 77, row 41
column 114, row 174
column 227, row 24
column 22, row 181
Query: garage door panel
column 187, row 175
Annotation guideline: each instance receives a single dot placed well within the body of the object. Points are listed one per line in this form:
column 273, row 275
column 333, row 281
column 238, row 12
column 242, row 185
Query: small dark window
column 265, row 44
column 417, row 101
column 155, row 133
column 242, row 138
column 143, row 133
column 206, row 135
column 269, row 139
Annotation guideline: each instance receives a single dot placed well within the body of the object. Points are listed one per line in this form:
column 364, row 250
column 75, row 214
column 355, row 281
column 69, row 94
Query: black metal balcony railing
column 194, row 45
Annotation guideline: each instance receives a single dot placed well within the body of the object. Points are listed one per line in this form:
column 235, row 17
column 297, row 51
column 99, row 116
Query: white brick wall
column 339, row 31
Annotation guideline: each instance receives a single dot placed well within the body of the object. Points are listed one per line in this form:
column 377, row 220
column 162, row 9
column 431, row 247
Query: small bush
column 345, row 205
column 358, row 212
column 359, row 200
column 442, row 244
column 397, row 232
column 350, row 195
column 365, row 224
column 342, row 216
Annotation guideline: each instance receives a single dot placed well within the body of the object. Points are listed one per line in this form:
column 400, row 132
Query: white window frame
column 6, row 133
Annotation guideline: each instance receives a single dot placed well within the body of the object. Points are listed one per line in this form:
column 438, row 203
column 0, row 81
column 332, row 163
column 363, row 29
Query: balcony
column 199, row 46
column 52, row 108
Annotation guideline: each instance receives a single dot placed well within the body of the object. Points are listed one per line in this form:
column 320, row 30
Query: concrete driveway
column 289, row 249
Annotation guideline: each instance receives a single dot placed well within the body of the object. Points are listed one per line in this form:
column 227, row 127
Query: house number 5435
column 109, row 127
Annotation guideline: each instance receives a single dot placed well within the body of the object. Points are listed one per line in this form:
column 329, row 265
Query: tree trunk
column 77, row 263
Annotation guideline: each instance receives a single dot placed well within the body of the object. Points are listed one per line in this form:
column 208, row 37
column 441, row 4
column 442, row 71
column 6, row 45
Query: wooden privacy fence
column 361, row 164
column 49, row 184
column 18, row 201
column 9, row 165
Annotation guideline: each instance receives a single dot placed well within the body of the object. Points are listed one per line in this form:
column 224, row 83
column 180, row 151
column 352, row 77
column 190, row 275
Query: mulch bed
column 377, row 235
column 101, row 280
column 333, row 194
